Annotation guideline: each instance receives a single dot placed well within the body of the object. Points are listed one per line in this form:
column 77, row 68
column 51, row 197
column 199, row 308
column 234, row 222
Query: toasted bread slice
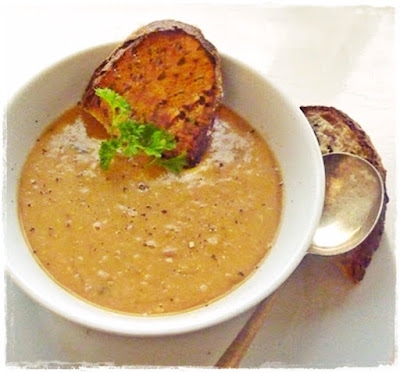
column 171, row 76
column 337, row 132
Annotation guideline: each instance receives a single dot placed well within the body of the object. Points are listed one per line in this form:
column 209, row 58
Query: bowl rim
column 125, row 324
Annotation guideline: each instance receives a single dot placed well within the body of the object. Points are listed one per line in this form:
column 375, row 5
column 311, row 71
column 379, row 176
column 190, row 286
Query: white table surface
column 342, row 57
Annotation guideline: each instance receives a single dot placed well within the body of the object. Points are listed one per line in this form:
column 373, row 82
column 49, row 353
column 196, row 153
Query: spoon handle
column 238, row 348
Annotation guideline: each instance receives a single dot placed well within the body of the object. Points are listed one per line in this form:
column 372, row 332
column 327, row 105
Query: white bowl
column 251, row 95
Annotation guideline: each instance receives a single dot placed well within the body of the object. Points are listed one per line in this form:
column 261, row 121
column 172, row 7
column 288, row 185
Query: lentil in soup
column 139, row 239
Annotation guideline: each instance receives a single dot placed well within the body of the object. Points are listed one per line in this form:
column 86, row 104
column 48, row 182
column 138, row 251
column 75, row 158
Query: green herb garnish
column 174, row 165
column 129, row 138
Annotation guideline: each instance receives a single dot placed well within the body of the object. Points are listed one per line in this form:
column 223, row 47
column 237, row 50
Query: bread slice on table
column 171, row 76
column 337, row 132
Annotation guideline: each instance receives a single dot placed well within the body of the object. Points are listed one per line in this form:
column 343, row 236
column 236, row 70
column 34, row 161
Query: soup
column 138, row 239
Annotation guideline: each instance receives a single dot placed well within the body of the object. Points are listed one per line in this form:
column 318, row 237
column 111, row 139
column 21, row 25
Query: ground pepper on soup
column 142, row 240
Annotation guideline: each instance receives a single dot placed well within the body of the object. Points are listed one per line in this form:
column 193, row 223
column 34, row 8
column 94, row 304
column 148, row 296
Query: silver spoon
column 354, row 194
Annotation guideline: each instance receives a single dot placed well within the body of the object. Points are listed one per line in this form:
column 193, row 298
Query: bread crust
column 171, row 76
column 337, row 132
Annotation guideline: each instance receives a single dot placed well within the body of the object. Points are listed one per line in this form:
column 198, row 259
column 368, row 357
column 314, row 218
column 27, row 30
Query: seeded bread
column 337, row 132
column 171, row 76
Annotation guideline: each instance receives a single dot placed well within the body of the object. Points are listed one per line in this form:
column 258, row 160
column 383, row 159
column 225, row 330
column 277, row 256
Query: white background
column 335, row 56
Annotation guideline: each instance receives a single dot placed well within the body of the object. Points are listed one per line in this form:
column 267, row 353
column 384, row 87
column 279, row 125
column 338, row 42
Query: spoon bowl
column 354, row 194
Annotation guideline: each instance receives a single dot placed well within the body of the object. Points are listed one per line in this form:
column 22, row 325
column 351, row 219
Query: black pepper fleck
column 143, row 186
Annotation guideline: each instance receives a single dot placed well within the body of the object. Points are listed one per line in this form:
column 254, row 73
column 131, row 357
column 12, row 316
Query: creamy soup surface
column 139, row 239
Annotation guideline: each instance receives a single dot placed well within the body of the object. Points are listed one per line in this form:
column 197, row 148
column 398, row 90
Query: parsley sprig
column 130, row 138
